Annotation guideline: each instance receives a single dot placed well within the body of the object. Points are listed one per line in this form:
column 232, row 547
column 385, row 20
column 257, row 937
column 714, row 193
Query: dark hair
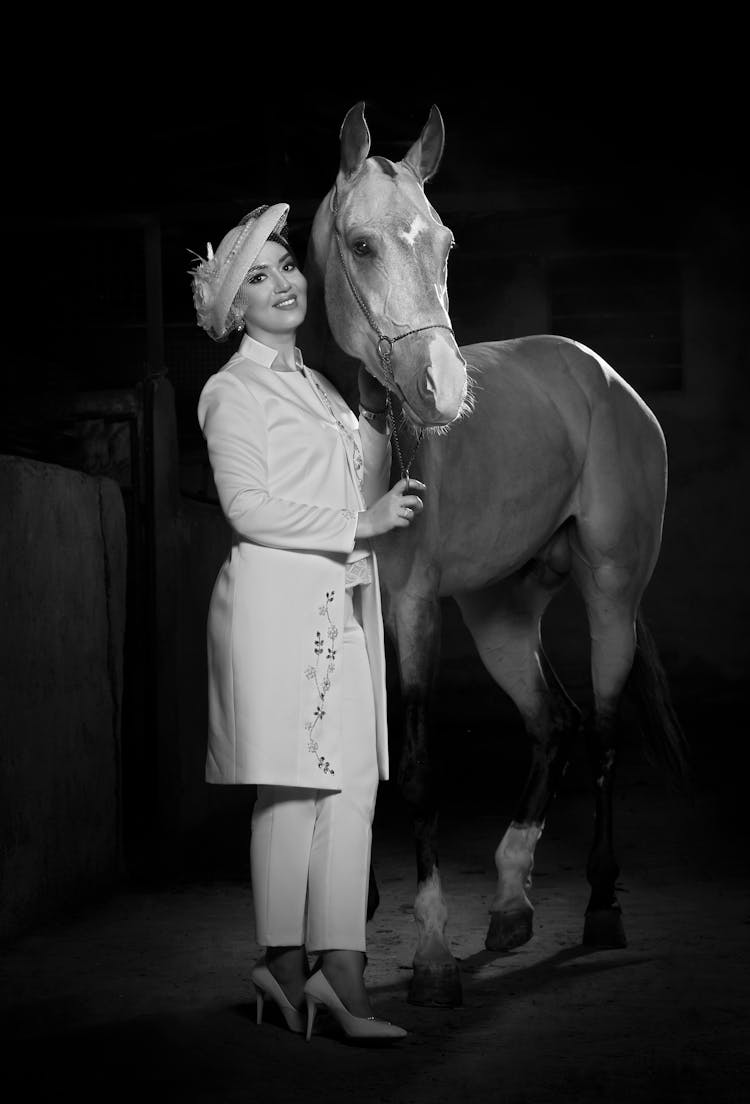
column 283, row 241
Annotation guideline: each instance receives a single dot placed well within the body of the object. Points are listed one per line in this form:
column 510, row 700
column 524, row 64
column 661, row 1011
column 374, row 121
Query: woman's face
column 274, row 294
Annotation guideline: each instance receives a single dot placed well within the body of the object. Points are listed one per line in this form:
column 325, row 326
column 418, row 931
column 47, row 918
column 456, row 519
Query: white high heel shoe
column 318, row 991
column 266, row 986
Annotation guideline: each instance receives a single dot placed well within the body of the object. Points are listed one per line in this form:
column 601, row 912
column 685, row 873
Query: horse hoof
column 437, row 984
column 604, row 928
column 509, row 929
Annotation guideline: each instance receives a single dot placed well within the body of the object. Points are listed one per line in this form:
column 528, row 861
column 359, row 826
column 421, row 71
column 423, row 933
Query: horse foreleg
column 551, row 729
column 504, row 622
column 415, row 627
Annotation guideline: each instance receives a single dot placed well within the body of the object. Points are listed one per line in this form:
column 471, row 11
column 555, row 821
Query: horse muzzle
column 436, row 393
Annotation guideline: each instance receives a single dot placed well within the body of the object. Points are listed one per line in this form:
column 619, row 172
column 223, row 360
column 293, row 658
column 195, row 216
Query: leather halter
column 384, row 349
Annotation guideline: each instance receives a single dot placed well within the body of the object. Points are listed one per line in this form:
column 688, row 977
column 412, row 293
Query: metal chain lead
column 404, row 468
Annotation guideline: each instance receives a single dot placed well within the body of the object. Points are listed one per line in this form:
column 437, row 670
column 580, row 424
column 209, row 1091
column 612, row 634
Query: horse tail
column 665, row 743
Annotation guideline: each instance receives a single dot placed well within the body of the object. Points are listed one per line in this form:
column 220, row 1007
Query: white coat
column 291, row 482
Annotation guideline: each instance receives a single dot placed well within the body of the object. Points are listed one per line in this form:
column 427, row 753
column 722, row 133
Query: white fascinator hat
column 218, row 277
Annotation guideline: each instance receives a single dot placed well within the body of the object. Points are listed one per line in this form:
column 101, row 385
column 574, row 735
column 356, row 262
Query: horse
column 543, row 466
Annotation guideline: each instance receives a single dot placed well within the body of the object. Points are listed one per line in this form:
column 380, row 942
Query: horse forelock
column 382, row 187
column 387, row 166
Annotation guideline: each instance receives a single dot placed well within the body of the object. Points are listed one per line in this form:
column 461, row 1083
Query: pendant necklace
column 347, row 434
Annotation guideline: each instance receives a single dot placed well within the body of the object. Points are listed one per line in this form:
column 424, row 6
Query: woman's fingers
column 408, row 484
column 413, row 502
column 407, row 509
column 401, row 504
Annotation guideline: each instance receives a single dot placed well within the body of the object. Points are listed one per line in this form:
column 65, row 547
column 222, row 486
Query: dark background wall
column 594, row 191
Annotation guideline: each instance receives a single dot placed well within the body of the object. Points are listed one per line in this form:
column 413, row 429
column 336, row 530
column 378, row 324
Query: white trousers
column 310, row 849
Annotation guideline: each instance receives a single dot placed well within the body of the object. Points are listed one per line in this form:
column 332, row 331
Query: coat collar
column 264, row 354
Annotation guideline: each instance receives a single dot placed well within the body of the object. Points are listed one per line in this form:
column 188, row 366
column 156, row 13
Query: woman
column 295, row 635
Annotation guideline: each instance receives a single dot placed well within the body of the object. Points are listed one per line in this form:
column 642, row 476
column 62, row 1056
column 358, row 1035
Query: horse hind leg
column 505, row 624
column 615, row 545
column 611, row 596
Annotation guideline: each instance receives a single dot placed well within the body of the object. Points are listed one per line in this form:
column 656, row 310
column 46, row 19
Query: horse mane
column 318, row 345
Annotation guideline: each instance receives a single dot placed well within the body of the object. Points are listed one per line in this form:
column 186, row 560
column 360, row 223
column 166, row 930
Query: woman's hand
column 395, row 510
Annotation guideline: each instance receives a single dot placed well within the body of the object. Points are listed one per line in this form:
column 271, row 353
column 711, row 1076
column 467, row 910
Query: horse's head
column 382, row 252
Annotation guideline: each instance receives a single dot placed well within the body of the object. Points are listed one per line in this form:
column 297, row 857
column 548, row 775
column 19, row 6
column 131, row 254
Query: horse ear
column 355, row 140
column 424, row 156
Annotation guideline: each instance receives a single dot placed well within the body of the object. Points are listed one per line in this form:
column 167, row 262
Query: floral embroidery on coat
column 324, row 653
column 358, row 463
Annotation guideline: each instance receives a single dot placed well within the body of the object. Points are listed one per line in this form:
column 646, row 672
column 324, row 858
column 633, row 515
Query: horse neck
column 318, row 345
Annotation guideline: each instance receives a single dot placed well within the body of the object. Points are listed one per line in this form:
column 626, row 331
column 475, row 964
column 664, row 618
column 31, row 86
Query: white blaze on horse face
column 435, row 387
column 397, row 262
column 418, row 226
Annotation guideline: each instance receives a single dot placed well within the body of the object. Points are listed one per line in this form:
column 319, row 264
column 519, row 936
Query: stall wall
column 62, row 605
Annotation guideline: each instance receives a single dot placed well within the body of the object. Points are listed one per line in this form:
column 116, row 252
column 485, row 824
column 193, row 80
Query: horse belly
column 509, row 473
column 473, row 560
column 503, row 522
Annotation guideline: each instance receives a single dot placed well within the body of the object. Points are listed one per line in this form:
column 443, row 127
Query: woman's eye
column 361, row 248
column 289, row 266
column 257, row 278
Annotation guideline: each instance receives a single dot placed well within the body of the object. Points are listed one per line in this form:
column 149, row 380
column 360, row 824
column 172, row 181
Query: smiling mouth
column 284, row 304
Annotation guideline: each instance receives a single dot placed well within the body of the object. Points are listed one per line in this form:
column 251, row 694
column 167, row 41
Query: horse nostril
column 441, row 387
column 428, row 382
column 426, row 388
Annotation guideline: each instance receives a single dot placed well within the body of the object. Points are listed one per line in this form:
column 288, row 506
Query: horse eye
column 361, row 248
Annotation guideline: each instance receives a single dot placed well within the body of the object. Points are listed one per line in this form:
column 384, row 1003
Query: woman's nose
column 281, row 281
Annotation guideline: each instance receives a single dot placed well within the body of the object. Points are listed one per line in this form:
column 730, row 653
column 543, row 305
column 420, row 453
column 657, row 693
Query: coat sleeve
column 233, row 424
column 376, row 457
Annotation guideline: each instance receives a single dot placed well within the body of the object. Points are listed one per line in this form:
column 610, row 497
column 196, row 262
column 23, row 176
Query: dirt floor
column 147, row 995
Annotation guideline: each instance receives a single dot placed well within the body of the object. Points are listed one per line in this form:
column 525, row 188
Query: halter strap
column 384, row 344
column 384, row 349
